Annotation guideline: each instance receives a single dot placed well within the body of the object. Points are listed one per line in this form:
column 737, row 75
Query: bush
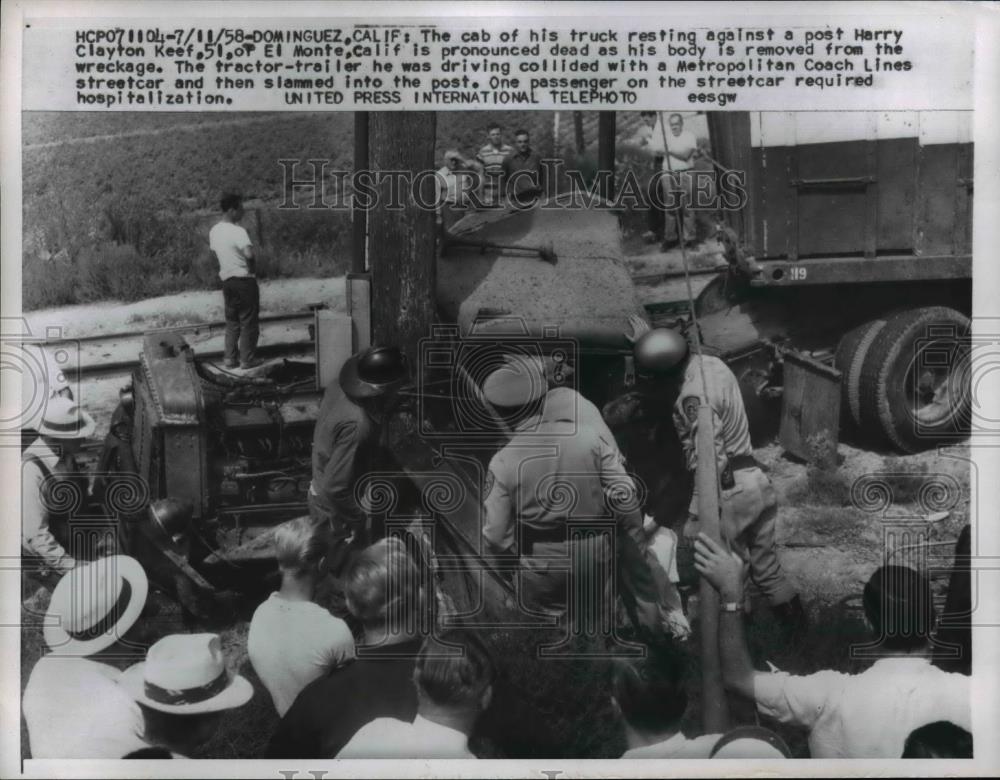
column 48, row 281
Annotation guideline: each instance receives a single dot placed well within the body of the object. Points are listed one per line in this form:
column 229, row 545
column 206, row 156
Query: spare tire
column 914, row 384
column 849, row 359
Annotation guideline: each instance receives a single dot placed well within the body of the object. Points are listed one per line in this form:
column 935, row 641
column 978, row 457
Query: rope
column 687, row 279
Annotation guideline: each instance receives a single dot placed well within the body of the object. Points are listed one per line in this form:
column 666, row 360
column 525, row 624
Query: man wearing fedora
column 348, row 438
column 46, row 499
column 74, row 705
column 184, row 689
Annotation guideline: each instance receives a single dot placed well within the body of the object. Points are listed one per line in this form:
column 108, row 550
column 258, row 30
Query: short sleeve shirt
column 492, row 158
column 867, row 715
column 74, row 708
column 229, row 241
column 680, row 146
column 394, row 738
column 732, row 431
column 291, row 643
column 678, row 746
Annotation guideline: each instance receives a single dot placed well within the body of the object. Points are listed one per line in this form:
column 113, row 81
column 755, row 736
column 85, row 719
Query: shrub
column 49, row 281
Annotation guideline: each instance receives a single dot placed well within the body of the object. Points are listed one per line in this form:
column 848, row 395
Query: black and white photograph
column 435, row 399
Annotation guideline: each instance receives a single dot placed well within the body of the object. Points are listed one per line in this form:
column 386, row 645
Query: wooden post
column 578, row 132
column 606, row 153
column 715, row 709
column 402, row 242
column 359, row 216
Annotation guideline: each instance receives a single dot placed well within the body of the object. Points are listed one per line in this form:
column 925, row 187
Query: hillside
column 115, row 204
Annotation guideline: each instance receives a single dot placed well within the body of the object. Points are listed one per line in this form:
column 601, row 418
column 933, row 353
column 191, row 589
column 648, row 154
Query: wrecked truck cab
column 236, row 449
column 553, row 274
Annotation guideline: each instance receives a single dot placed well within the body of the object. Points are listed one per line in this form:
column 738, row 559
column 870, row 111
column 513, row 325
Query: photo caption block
column 631, row 64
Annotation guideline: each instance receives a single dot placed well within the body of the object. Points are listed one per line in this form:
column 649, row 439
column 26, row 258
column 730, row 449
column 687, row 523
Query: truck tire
column 912, row 410
column 849, row 358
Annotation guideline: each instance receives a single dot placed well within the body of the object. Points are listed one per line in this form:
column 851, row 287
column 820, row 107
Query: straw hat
column 186, row 674
column 94, row 605
column 751, row 742
column 64, row 419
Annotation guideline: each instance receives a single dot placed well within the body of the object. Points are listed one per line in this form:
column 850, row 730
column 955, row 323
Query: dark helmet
column 376, row 371
column 659, row 351
column 172, row 516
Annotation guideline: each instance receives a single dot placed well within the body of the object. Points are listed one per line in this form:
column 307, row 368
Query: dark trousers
column 242, row 301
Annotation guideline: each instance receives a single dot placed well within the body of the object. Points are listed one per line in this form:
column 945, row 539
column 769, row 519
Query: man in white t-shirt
column 292, row 640
column 237, row 268
column 677, row 183
column 454, row 679
column 866, row 715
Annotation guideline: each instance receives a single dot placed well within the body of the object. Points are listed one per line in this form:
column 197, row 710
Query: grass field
column 117, row 206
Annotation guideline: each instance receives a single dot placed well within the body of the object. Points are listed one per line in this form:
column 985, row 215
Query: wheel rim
column 935, row 391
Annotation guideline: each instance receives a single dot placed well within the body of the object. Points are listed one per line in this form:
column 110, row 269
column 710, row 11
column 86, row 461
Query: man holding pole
column 679, row 149
column 747, row 504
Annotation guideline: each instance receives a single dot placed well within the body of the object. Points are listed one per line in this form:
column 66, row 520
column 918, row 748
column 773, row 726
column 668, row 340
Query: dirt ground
column 828, row 541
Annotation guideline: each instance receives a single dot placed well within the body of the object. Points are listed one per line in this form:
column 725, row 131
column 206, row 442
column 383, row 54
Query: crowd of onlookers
column 391, row 688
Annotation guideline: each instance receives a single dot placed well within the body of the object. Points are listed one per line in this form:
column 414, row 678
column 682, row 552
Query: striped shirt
column 491, row 157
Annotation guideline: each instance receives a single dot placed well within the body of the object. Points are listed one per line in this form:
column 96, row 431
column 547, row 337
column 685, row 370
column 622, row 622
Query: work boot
column 792, row 616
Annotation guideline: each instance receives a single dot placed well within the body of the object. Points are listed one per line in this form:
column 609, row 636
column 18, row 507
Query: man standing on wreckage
column 554, row 493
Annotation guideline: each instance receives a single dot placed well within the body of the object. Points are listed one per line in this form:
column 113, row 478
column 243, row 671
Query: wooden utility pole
column 578, row 132
column 715, row 706
column 606, row 153
column 359, row 216
column 402, row 242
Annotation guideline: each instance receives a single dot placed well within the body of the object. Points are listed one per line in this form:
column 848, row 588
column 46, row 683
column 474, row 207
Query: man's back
column 392, row 738
column 342, row 435
column 329, row 711
column 229, row 241
column 292, row 643
column 74, row 708
column 867, row 715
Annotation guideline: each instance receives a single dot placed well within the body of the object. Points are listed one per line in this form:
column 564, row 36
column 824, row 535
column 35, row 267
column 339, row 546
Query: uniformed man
column 47, row 501
column 348, row 436
column 555, row 482
column 748, row 505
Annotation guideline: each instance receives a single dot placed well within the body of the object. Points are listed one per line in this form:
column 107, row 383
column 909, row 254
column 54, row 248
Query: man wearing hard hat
column 559, row 479
column 747, row 502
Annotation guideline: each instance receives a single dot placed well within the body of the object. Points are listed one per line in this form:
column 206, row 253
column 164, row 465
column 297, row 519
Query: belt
column 532, row 536
column 740, row 462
